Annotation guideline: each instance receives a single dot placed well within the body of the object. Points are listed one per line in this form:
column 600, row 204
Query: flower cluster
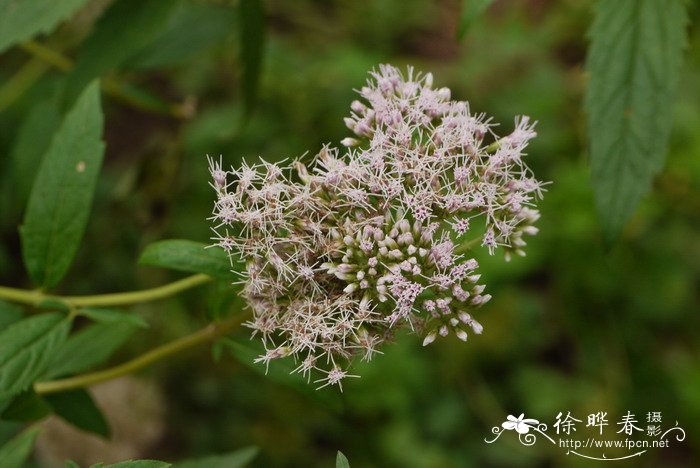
column 365, row 240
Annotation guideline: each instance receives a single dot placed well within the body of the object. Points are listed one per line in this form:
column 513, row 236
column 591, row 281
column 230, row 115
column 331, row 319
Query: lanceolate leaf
column 633, row 62
column 125, row 28
column 78, row 408
column 61, row 198
column 9, row 314
column 14, row 453
column 20, row 20
column 252, row 42
column 184, row 255
column 471, row 10
column 341, row 461
column 26, row 348
column 191, row 30
column 33, row 139
column 88, row 348
column 114, row 316
column 238, row 459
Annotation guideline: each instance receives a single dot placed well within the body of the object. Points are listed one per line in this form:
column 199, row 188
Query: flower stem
column 210, row 332
column 103, row 300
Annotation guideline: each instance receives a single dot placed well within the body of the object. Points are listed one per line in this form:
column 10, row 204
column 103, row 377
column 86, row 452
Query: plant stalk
column 209, row 333
column 104, row 300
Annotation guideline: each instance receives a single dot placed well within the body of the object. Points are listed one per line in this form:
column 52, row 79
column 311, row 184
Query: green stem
column 204, row 335
column 103, row 300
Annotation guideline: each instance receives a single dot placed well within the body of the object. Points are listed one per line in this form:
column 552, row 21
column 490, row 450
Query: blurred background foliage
column 572, row 327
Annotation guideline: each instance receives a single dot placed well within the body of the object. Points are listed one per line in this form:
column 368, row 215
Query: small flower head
column 364, row 241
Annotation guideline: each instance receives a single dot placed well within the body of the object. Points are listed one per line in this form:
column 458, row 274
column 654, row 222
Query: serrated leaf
column 341, row 461
column 88, row 348
column 190, row 256
column 633, row 62
column 26, row 349
column 32, row 142
column 125, row 28
column 9, row 314
column 61, row 198
column 237, row 459
column 21, row 20
column 135, row 464
column 114, row 316
column 79, row 409
column 15, row 452
column 471, row 10
column 26, row 407
column 252, row 43
column 192, row 29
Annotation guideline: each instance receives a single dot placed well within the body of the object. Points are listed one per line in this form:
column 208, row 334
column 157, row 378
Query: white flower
column 522, row 426
column 342, row 252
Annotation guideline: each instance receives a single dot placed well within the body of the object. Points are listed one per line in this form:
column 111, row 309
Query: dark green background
column 572, row 327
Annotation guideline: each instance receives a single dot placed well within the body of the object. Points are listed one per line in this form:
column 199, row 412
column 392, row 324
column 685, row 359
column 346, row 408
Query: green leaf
column 135, row 464
column 88, row 348
column 14, row 453
column 26, row 407
column 190, row 256
column 471, row 10
column 192, row 29
column 21, row 20
column 32, row 142
column 114, row 316
column 79, row 409
column 123, row 30
column 237, row 459
column 70, row 464
column 633, row 62
column 26, row 349
column 60, row 201
column 341, row 461
column 9, row 314
column 252, row 40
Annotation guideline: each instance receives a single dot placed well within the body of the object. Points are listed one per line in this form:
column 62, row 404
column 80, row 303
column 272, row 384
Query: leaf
column 252, row 30
column 190, row 256
column 114, row 316
column 70, row 464
column 26, row 349
column 88, row 348
column 123, row 30
column 32, row 142
column 135, row 464
column 26, row 407
column 9, row 314
column 633, row 62
column 192, row 29
column 341, row 461
column 237, row 459
column 21, row 20
column 61, row 198
column 471, row 10
column 14, row 453
column 79, row 409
